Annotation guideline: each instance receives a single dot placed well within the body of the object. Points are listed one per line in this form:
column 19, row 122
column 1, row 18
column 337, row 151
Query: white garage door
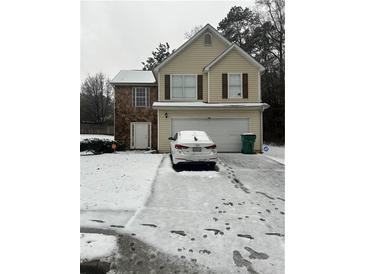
column 225, row 132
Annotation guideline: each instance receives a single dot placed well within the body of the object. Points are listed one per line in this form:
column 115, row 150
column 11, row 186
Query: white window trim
column 146, row 100
column 184, row 99
column 235, row 97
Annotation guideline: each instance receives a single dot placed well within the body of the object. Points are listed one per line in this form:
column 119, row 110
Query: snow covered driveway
column 231, row 221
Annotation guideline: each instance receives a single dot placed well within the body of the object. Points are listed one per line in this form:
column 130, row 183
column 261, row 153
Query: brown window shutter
column 245, row 85
column 200, row 87
column 224, row 86
column 167, row 87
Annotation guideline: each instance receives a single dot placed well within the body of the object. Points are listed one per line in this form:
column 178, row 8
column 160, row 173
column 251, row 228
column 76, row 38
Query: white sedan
column 193, row 146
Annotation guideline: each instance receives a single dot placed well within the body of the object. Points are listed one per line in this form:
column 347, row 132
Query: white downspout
column 158, row 130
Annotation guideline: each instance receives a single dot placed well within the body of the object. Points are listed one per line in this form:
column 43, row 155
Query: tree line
column 96, row 100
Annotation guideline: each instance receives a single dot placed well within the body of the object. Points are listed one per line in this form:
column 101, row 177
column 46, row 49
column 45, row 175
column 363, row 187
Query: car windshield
column 191, row 136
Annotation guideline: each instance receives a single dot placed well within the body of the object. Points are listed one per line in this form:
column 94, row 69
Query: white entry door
column 225, row 132
column 140, row 135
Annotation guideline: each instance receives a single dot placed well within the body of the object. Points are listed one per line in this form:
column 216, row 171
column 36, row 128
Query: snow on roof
column 206, row 105
column 134, row 77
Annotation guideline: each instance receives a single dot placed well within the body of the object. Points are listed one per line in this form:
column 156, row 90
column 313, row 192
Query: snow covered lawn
column 114, row 181
column 276, row 153
column 113, row 187
column 97, row 246
column 96, row 136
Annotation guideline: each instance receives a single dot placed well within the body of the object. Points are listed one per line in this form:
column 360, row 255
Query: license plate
column 197, row 149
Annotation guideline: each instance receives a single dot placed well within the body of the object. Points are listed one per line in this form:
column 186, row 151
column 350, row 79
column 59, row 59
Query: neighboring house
column 207, row 84
column 135, row 121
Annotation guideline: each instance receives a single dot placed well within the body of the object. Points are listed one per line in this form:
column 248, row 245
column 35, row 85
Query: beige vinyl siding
column 192, row 61
column 165, row 123
column 233, row 62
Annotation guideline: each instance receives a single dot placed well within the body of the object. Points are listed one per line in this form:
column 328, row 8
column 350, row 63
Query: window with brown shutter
column 167, row 87
column 224, row 86
column 245, row 85
column 200, row 87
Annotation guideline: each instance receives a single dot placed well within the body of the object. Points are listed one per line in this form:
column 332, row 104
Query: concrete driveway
column 225, row 221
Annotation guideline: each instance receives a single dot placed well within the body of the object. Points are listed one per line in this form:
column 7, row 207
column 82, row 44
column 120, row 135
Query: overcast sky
column 120, row 35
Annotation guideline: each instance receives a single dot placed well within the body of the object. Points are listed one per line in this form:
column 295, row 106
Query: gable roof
column 188, row 42
column 134, row 77
column 241, row 51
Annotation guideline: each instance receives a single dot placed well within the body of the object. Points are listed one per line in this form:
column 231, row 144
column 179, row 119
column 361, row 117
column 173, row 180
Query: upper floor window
column 183, row 87
column 207, row 39
column 234, row 85
column 140, row 96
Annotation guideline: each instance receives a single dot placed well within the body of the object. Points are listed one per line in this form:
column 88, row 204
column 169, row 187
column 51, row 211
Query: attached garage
column 225, row 132
column 224, row 122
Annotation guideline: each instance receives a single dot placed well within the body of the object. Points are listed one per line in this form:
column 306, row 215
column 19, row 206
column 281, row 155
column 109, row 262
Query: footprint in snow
column 245, row 236
column 151, row 225
column 204, row 251
column 179, row 232
column 97, row 221
column 216, row 231
column 275, row 234
column 256, row 255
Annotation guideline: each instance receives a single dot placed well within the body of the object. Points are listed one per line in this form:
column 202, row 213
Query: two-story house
column 207, row 84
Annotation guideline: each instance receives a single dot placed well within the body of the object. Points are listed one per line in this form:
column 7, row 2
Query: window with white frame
column 140, row 97
column 235, row 85
column 183, row 87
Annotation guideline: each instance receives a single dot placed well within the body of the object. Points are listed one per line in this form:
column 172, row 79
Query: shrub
column 99, row 146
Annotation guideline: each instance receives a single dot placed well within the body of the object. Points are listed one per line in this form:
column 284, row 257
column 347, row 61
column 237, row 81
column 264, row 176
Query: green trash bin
column 248, row 142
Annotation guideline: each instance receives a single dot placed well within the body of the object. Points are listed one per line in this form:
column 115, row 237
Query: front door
column 141, row 135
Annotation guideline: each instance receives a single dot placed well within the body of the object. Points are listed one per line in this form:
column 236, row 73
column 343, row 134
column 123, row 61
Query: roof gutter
column 262, row 107
column 133, row 84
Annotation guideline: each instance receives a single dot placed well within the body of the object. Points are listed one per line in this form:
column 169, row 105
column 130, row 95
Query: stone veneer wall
column 125, row 113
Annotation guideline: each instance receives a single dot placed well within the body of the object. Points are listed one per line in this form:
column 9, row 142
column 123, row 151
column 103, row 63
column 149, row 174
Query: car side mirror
column 171, row 138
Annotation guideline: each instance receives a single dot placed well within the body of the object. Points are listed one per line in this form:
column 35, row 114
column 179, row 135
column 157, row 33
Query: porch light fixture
column 166, row 115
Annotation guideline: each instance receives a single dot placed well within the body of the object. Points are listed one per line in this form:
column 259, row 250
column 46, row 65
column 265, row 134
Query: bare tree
column 96, row 98
column 274, row 13
column 189, row 34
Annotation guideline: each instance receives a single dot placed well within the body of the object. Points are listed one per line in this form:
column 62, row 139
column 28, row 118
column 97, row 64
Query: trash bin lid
column 248, row 134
